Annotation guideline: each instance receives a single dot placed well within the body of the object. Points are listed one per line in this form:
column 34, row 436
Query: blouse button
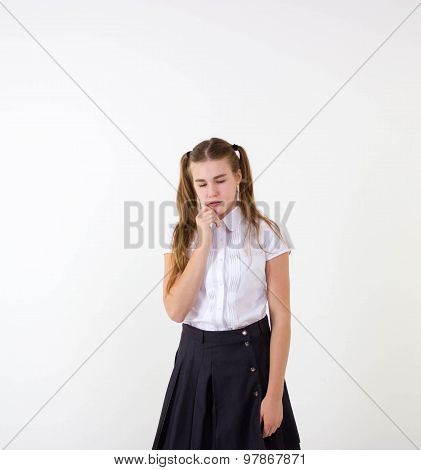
column 252, row 369
column 256, row 393
column 246, row 343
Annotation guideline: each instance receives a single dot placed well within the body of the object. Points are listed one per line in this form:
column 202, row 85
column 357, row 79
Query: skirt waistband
column 228, row 336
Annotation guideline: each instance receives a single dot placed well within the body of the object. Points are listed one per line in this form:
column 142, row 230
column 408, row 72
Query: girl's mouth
column 213, row 204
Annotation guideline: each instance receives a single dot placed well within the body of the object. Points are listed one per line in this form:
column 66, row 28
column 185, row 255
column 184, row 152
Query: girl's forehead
column 209, row 168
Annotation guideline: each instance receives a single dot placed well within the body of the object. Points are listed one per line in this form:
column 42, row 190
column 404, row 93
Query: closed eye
column 201, row 185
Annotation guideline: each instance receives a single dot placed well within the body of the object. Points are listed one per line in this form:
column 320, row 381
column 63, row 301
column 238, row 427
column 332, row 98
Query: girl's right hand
column 204, row 218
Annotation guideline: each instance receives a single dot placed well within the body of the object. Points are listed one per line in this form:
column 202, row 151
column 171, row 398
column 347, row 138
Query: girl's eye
column 201, row 185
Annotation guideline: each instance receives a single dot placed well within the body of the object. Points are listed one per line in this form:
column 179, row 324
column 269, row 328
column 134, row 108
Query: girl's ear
column 240, row 176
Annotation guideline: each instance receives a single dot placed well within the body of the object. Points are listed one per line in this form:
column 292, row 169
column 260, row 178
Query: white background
column 147, row 80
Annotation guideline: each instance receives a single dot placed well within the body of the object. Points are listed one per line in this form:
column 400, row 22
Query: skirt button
column 244, row 332
column 252, row 369
column 246, row 343
column 256, row 393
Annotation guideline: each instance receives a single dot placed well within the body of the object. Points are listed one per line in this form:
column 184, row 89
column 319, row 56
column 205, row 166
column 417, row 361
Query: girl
column 225, row 262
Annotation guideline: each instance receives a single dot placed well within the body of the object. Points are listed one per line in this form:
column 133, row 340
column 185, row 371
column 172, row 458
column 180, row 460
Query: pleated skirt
column 215, row 390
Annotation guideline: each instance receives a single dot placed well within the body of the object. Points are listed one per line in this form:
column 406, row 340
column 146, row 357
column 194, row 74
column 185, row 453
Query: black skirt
column 214, row 394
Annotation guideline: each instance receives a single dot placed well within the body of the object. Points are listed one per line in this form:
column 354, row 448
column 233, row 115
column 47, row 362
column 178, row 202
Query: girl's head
column 212, row 171
column 215, row 181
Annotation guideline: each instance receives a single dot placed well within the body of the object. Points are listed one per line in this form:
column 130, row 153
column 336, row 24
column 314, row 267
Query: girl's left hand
column 272, row 413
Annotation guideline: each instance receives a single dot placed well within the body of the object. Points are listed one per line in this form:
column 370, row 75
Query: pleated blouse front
column 233, row 292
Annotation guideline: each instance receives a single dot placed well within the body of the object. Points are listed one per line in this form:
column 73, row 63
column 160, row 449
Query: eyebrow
column 215, row 177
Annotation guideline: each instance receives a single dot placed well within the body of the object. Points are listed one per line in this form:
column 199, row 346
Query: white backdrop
column 98, row 102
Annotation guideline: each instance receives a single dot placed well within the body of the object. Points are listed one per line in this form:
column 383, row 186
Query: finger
column 268, row 431
column 212, row 209
column 214, row 217
column 208, row 216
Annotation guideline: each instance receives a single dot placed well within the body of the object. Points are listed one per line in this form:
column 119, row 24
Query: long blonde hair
column 187, row 203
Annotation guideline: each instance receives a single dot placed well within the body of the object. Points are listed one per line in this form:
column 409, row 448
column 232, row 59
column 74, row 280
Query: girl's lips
column 214, row 203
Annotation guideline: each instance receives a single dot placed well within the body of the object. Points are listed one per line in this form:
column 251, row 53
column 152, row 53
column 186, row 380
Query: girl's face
column 214, row 181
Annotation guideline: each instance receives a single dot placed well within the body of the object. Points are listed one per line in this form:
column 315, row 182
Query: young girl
column 225, row 262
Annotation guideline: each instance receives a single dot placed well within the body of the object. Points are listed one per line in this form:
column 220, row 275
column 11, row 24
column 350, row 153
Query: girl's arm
column 278, row 292
column 183, row 294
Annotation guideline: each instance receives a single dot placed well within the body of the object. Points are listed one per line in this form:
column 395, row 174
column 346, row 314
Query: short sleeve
column 272, row 244
column 169, row 229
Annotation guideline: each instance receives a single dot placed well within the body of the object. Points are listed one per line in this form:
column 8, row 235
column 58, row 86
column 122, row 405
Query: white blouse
column 233, row 292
